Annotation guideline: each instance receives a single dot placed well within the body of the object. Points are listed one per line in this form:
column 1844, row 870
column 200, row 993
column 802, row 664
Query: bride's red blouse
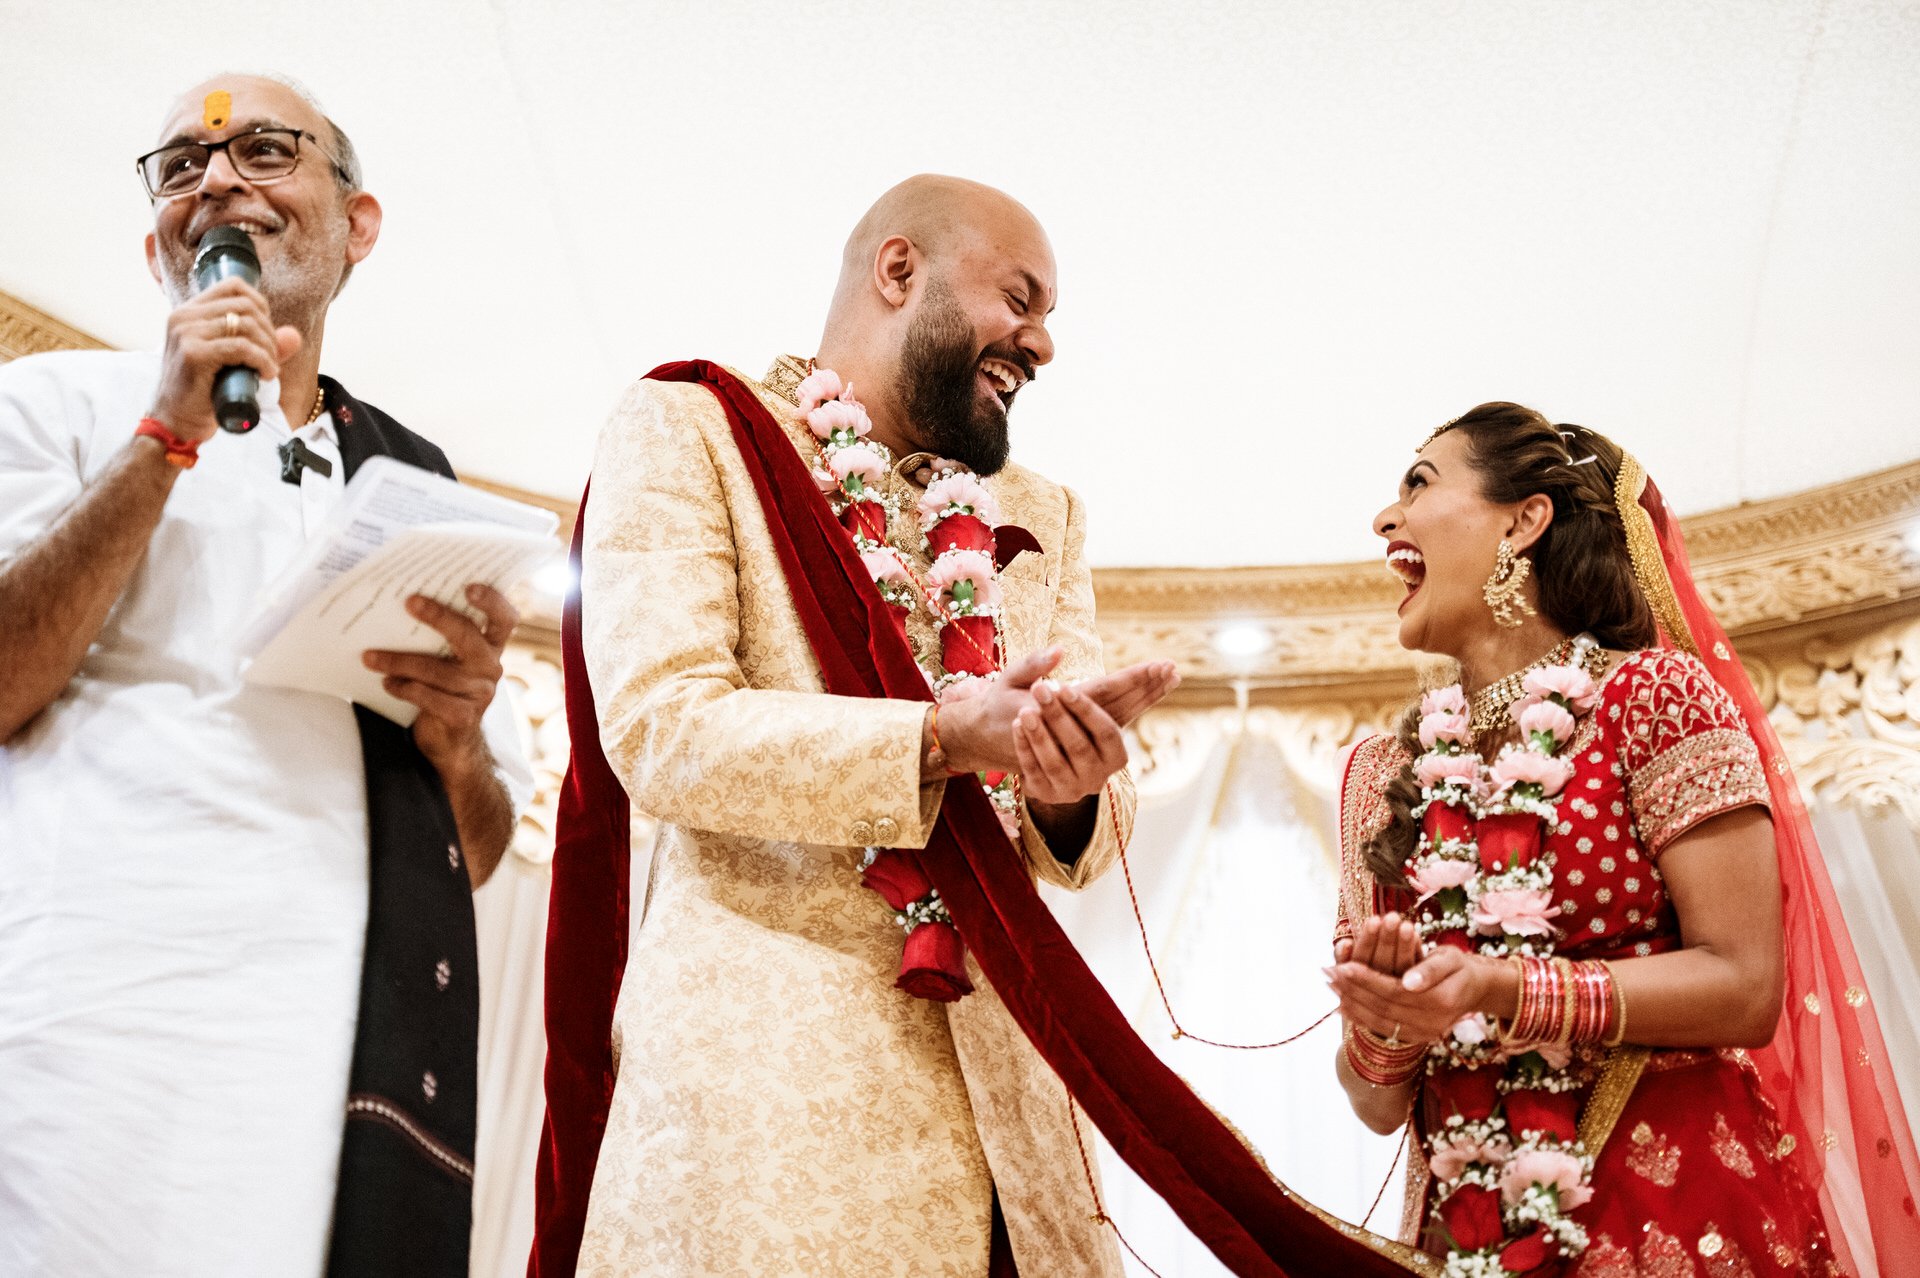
column 1695, row 1177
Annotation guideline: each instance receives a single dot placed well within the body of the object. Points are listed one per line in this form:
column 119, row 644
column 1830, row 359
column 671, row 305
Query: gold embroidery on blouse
column 1695, row 778
column 1364, row 813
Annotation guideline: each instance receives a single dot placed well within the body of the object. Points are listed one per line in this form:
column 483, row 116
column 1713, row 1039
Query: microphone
column 226, row 252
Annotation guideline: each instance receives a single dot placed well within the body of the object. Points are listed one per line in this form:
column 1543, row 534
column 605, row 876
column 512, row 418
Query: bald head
column 940, row 314
column 939, row 216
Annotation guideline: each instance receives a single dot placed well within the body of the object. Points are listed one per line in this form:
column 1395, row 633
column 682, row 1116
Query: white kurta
column 183, row 874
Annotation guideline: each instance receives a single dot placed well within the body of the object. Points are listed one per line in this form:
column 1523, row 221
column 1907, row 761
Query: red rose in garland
column 1482, row 883
column 1446, row 821
column 960, row 532
column 1470, row 1093
column 899, row 880
column 1507, row 841
column 1533, row 1109
column 934, row 965
column 1529, row 1252
column 1471, row 1215
column 866, row 519
column 962, row 591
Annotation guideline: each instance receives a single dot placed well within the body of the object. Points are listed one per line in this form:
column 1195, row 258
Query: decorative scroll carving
column 25, row 330
column 533, row 682
column 1847, row 708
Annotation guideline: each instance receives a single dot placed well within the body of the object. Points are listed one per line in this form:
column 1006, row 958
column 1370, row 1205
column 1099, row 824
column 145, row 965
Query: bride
column 1563, row 953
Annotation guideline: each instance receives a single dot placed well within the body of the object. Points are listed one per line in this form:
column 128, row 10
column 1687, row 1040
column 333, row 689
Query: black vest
column 405, row 1201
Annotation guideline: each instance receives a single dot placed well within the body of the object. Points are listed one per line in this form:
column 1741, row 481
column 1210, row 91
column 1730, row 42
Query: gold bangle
column 1619, row 1034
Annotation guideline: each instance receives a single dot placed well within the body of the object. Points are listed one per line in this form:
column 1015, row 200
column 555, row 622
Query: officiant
column 238, row 983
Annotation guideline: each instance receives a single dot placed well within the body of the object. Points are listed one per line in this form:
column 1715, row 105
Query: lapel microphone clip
column 295, row 457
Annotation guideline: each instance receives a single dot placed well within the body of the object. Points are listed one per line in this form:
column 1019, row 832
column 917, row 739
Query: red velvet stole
column 1165, row 1132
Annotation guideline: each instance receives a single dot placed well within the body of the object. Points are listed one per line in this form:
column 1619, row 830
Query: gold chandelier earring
column 1505, row 591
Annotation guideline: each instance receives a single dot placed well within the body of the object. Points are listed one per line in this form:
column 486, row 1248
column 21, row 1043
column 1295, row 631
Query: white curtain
column 511, row 916
column 1234, row 863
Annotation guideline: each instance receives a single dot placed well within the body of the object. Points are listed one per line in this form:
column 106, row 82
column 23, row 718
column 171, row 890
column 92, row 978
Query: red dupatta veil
column 1826, row 1069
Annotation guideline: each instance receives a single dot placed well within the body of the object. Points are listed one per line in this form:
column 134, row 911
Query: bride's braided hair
column 1584, row 575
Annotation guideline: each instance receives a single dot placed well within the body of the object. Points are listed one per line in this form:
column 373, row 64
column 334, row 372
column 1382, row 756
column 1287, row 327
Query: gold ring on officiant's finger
column 233, row 323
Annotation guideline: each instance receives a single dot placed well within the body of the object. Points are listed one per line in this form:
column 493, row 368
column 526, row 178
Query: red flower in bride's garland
column 935, row 964
column 1529, row 1252
column 897, row 877
column 1444, row 822
column 1470, row 1093
column 1532, row 1109
column 1471, row 1215
column 1509, row 839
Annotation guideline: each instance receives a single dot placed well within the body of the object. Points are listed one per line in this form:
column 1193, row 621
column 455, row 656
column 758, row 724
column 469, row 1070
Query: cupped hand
column 1387, row 943
column 1065, row 745
column 977, row 731
column 1127, row 694
column 1421, row 1005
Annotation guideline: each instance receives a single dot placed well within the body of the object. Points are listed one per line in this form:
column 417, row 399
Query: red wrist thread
column 184, row 453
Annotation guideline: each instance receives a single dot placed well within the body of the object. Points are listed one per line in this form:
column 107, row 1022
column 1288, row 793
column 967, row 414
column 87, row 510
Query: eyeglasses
column 259, row 156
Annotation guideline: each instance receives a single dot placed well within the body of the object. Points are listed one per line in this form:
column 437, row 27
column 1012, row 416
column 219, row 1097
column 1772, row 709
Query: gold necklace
column 319, row 405
column 1488, row 707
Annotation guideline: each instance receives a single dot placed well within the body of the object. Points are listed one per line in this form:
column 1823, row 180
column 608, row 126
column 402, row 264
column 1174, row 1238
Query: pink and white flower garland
column 1507, row 1164
column 962, row 593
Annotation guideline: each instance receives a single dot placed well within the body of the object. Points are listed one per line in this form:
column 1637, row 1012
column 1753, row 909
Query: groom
column 777, row 1103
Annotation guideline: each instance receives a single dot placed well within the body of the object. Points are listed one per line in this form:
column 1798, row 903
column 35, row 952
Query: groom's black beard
column 940, row 367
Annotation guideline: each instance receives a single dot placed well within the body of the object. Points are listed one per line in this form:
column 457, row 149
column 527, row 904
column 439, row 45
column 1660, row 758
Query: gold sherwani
column 779, row 1107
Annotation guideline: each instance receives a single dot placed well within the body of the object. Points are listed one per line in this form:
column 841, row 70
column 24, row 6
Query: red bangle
column 180, row 452
column 1378, row 1065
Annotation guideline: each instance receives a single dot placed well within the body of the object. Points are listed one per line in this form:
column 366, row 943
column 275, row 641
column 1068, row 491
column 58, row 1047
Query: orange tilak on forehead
column 217, row 109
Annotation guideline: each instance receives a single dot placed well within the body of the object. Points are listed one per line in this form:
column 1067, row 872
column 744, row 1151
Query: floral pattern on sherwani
column 779, row 1107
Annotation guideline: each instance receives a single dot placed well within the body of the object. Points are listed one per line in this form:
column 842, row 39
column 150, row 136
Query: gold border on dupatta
column 1614, row 1088
column 1643, row 546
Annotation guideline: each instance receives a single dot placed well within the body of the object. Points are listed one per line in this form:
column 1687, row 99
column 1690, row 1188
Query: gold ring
column 233, row 323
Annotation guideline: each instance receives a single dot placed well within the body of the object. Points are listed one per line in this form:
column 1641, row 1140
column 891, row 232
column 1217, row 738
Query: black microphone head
column 225, row 251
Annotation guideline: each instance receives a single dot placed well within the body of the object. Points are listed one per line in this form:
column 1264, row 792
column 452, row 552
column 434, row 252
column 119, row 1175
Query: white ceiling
column 1292, row 236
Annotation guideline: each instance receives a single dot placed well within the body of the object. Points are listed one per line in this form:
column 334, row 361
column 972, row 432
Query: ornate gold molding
column 1816, row 555
column 1846, row 703
column 26, row 330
